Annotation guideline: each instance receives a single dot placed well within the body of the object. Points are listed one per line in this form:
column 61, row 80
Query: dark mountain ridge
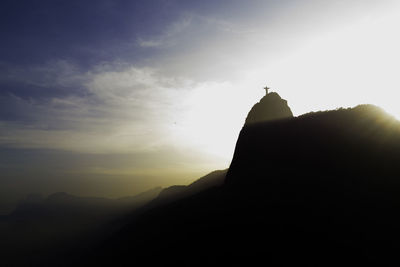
column 363, row 140
column 320, row 189
column 176, row 192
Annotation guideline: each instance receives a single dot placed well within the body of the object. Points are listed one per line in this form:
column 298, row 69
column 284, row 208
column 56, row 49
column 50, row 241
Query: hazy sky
column 112, row 97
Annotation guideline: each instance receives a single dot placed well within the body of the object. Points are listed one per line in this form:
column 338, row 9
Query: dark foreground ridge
column 319, row 189
column 61, row 229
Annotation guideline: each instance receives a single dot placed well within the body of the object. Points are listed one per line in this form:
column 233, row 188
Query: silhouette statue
column 266, row 88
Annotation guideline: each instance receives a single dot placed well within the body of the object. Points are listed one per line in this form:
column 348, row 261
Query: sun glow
column 343, row 68
column 350, row 65
column 215, row 114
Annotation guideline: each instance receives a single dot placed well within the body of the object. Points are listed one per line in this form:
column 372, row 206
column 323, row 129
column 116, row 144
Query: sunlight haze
column 160, row 99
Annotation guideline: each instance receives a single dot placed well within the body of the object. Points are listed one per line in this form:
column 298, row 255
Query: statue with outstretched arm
column 266, row 88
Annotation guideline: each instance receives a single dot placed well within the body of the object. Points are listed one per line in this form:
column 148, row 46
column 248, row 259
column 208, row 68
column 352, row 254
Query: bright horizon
column 126, row 97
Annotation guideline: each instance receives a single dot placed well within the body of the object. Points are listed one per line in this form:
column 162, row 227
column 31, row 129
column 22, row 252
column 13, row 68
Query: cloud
column 122, row 110
column 149, row 43
column 127, row 109
column 53, row 78
column 169, row 34
column 189, row 27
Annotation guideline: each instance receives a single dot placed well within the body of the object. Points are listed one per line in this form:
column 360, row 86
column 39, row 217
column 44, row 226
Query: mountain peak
column 270, row 107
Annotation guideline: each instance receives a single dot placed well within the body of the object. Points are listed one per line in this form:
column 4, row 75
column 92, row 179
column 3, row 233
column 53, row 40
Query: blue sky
column 127, row 95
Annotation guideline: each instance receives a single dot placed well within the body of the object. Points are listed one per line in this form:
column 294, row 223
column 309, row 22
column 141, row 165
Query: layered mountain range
column 319, row 189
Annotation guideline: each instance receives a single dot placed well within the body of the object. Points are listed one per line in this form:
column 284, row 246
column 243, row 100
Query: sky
column 114, row 97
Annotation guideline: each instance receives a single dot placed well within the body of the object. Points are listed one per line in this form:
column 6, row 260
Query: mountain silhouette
column 331, row 142
column 270, row 107
column 318, row 189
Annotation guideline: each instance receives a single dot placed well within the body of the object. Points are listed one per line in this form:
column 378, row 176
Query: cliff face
column 326, row 181
column 271, row 107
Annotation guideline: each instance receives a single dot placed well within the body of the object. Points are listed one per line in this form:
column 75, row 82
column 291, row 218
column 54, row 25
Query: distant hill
column 176, row 192
column 40, row 231
column 319, row 189
column 62, row 204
